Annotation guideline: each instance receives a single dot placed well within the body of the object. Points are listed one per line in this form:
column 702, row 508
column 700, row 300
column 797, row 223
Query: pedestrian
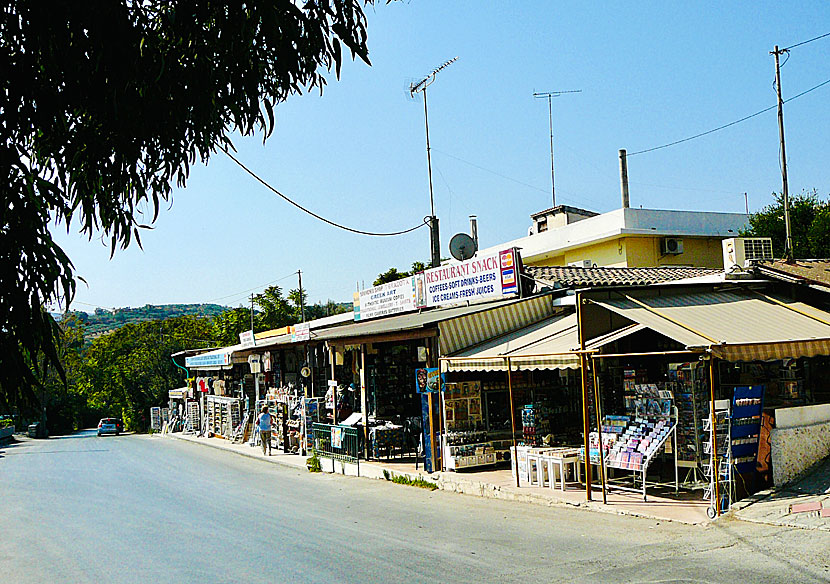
column 263, row 424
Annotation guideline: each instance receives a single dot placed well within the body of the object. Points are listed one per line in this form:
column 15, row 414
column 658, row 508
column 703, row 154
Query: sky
column 649, row 73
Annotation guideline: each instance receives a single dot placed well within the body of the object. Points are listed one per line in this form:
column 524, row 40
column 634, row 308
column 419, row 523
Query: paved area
column 687, row 507
column 139, row 509
column 804, row 503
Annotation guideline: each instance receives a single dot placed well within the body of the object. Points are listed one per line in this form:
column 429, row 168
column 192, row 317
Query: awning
column 543, row 345
column 736, row 325
column 180, row 393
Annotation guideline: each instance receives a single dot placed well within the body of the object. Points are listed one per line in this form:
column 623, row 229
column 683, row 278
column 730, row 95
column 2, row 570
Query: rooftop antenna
column 421, row 87
column 549, row 95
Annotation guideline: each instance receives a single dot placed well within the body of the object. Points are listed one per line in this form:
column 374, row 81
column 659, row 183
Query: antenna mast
column 549, row 95
column 421, row 87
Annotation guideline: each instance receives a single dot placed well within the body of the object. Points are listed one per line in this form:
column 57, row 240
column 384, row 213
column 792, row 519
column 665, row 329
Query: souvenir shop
column 743, row 352
column 490, row 413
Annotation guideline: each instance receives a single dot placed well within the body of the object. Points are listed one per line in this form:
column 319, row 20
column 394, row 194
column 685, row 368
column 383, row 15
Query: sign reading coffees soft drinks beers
column 484, row 277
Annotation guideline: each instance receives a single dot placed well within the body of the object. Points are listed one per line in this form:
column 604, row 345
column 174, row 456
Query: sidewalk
column 804, row 503
column 496, row 484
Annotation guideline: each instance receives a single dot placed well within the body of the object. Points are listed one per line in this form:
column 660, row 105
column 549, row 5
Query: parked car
column 110, row 426
column 37, row 430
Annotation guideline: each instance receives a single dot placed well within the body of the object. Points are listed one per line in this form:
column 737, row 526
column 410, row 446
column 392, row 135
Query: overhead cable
column 758, row 113
column 312, row 213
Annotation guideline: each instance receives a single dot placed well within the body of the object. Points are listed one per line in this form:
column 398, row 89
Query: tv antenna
column 549, row 95
column 421, row 87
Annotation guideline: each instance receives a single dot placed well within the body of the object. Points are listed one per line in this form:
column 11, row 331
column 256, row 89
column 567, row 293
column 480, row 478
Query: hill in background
column 103, row 321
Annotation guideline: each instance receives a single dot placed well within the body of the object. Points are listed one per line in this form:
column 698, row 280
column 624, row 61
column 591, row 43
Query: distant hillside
column 103, row 321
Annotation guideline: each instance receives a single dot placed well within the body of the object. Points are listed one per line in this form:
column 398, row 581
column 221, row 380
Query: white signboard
column 247, row 339
column 485, row 277
column 302, row 332
column 386, row 299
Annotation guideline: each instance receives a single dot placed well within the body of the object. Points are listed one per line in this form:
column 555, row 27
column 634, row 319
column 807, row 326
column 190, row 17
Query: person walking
column 263, row 425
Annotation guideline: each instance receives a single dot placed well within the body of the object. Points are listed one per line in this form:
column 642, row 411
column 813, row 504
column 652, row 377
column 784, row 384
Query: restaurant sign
column 486, row 277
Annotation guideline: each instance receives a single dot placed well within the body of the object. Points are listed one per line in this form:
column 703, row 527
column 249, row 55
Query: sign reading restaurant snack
column 484, row 277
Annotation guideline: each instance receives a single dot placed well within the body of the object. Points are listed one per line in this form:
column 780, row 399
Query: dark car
column 110, row 426
column 37, row 430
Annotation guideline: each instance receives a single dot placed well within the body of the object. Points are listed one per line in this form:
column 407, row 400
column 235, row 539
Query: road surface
column 140, row 509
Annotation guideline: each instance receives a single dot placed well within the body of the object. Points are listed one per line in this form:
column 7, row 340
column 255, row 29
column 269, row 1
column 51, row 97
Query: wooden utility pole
column 788, row 249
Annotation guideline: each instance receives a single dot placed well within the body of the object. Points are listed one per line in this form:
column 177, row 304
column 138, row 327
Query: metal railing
column 337, row 442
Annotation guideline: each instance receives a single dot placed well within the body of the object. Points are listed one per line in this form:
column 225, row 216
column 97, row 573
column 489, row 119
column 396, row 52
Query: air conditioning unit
column 671, row 246
column 581, row 264
column 740, row 252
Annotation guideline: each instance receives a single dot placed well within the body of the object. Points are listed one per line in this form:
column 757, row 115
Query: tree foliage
column 809, row 224
column 128, row 371
column 393, row 274
column 105, row 104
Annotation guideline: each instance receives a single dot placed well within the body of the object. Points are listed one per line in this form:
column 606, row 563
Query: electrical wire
column 313, row 214
column 805, row 42
column 758, row 113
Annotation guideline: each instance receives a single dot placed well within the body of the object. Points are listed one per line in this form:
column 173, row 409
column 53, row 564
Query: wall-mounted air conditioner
column 671, row 246
column 581, row 264
column 740, row 252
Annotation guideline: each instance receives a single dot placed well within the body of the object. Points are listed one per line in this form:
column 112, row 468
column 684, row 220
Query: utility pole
column 302, row 302
column 788, row 248
column 549, row 96
column 252, row 313
column 434, row 238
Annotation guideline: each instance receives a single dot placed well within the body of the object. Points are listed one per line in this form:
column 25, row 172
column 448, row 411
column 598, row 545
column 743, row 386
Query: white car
column 110, row 426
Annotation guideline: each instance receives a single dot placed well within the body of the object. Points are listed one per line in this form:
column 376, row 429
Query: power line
column 805, row 42
column 758, row 113
column 313, row 214
column 251, row 289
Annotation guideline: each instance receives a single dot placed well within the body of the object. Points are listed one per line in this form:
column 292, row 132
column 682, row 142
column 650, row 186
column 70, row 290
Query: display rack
column 745, row 426
column 223, row 415
column 465, row 442
column 191, row 417
column 690, row 392
column 720, row 482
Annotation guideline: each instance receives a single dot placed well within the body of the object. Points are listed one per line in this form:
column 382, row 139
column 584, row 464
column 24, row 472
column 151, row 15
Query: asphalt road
column 140, row 509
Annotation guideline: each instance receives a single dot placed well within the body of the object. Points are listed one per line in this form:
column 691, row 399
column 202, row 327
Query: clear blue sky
column 650, row 73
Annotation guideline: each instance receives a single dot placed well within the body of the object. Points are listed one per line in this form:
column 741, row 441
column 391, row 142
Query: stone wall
column 795, row 450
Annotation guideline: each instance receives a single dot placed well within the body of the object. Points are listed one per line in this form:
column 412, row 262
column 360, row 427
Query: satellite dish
column 462, row 246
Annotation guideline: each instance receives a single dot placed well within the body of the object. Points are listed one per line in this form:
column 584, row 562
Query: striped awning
column 547, row 344
column 735, row 325
column 473, row 329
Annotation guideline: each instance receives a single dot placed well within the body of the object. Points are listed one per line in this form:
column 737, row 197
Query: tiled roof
column 810, row 271
column 575, row 277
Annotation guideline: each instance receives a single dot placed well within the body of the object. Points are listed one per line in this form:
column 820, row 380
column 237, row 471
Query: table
column 560, row 457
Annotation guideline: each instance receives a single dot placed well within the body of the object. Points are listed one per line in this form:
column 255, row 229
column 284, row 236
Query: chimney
column 624, row 178
column 474, row 229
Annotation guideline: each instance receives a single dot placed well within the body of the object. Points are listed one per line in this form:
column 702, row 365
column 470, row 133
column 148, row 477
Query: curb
column 463, row 487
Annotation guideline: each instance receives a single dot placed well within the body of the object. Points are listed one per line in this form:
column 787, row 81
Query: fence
column 337, row 442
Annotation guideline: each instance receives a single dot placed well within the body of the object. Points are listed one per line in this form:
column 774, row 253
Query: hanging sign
column 301, row 332
column 484, row 277
column 387, row 299
column 337, row 437
column 208, row 360
column 428, row 380
column 247, row 339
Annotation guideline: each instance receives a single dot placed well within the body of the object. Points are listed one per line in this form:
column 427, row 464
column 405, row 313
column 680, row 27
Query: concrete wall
column 796, row 449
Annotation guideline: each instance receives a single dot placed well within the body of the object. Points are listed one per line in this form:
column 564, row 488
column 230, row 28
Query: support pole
column 715, row 470
column 334, row 388
column 364, row 406
column 585, row 413
column 512, row 418
column 598, row 409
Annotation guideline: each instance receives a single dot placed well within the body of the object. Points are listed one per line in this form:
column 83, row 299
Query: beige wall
column 641, row 252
